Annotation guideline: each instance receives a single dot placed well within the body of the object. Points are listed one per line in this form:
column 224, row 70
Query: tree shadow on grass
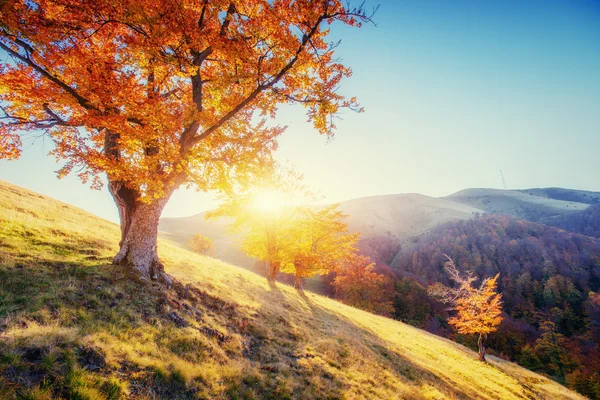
column 318, row 344
column 295, row 347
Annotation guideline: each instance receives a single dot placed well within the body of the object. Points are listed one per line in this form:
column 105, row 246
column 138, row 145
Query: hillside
column 579, row 196
column 530, row 204
column 586, row 222
column 73, row 326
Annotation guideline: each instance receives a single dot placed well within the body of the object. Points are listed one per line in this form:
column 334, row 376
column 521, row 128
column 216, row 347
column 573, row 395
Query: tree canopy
column 176, row 82
column 162, row 93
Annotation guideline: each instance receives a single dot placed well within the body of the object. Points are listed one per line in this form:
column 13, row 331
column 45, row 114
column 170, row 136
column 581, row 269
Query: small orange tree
column 202, row 245
column 156, row 94
column 479, row 309
column 318, row 241
column 357, row 284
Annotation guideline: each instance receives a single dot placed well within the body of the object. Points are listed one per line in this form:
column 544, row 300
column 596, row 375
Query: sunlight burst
column 268, row 201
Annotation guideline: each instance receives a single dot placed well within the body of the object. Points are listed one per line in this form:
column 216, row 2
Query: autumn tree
column 263, row 210
column 155, row 94
column 357, row 284
column 552, row 351
column 478, row 309
column 317, row 242
column 202, row 245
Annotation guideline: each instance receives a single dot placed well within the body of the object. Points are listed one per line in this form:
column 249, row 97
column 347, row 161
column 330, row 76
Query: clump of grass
column 36, row 393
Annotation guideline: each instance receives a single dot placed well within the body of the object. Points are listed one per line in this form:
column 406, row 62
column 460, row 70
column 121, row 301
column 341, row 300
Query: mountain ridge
column 405, row 216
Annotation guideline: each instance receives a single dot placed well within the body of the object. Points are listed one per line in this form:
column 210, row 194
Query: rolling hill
column 529, row 204
column 401, row 216
column 404, row 217
column 579, row 196
column 74, row 326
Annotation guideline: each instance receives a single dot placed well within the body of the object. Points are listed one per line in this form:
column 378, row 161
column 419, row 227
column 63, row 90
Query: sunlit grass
column 72, row 326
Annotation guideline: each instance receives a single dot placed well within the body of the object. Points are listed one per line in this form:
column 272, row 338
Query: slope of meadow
column 73, row 326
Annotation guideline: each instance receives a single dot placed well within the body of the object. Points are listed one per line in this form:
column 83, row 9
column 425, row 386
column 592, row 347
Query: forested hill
column 586, row 222
column 549, row 279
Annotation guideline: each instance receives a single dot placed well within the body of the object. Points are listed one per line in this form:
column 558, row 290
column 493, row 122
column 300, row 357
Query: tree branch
column 85, row 103
column 260, row 88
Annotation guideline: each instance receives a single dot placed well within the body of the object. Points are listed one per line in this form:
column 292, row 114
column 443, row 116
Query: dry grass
column 72, row 326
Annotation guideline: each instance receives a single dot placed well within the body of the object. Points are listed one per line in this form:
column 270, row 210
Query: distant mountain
column 400, row 216
column 529, row 204
column 403, row 217
column 579, row 196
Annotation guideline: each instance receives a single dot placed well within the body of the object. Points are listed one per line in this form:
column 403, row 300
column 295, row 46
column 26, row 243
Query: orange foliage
column 157, row 93
column 479, row 309
column 317, row 242
column 358, row 285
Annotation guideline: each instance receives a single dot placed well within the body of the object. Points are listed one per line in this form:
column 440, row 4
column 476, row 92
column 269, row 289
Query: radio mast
column 504, row 185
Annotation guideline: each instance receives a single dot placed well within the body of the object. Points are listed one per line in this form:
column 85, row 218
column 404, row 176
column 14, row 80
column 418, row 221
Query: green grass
column 72, row 326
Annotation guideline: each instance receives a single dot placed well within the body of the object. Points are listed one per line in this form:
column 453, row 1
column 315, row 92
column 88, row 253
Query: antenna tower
column 504, row 185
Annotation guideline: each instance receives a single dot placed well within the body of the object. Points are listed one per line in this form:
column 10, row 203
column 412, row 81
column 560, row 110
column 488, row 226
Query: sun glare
column 268, row 201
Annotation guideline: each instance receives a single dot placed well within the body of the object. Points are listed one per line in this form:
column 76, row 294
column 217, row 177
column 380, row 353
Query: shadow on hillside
column 340, row 336
column 287, row 335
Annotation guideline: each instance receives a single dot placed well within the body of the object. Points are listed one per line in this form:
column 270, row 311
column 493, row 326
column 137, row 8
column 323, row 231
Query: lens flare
column 268, row 201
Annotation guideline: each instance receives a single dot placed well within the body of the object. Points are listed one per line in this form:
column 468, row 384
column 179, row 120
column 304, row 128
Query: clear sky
column 453, row 90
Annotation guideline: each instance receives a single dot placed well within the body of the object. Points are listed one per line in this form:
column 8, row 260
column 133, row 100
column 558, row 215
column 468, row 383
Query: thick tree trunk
column 299, row 283
column 139, row 234
column 125, row 200
column 481, row 344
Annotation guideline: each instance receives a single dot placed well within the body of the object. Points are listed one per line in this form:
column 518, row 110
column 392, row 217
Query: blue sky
column 453, row 90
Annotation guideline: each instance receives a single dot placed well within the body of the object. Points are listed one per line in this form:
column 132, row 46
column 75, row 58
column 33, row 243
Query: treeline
column 549, row 280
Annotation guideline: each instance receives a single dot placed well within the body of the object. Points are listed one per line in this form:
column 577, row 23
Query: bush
column 202, row 245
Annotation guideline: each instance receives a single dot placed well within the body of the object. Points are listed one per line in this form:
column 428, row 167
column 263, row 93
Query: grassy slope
column 72, row 326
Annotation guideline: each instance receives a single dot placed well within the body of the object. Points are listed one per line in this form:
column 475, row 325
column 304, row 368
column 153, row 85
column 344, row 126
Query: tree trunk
column 139, row 233
column 274, row 264
column 299, row 283
column 481, row 344
column 273, row 271
column 125, row 200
